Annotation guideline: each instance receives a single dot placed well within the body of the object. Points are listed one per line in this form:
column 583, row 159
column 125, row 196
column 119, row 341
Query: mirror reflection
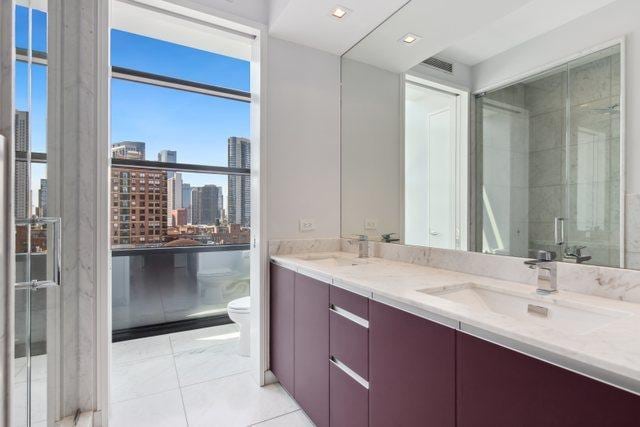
column 441, row 155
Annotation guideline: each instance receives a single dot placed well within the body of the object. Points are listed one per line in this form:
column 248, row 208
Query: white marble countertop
column 610, row 353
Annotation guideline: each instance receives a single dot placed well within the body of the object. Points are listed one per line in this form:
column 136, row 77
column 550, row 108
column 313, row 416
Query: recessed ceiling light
column 339, row 12
column 410, row 38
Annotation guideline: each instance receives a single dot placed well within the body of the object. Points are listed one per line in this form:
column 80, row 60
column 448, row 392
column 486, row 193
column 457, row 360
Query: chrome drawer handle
column 350, row 316
column 348, row 371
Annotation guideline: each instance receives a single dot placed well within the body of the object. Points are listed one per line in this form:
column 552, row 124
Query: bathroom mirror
column 455, row 148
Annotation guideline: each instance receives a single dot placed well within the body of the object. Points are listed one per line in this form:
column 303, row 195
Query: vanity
column 376, row 342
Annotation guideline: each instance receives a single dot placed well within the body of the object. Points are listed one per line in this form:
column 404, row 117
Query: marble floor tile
column 292, row 419
column 143, row 348
column 158, row 410
column 205, row 337
column 143, row 378
column 205, row 364
column 234, row 401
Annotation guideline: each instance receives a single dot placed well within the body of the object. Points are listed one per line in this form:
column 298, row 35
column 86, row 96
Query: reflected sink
column 333, row 260
column 569, row 317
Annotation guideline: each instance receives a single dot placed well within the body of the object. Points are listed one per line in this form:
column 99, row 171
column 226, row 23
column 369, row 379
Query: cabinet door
column 281, row 325
column 349, row 400
column 498, row 387
column 311, row 348
column 411, row 370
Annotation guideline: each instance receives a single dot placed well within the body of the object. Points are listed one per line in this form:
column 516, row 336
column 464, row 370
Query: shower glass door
column 37, row 235
column 548, row 163
column 593, row 196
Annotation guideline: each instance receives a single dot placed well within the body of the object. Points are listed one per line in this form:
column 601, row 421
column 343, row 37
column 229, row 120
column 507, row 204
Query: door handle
column 56, row 249
column 558, row 234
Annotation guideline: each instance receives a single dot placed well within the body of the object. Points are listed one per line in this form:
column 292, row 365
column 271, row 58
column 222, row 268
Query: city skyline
column 160, row 116
column 179, row 191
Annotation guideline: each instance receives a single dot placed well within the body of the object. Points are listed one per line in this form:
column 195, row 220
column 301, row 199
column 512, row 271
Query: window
column 180, row 135
column 198, row 127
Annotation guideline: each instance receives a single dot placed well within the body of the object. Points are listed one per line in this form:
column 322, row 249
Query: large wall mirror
column 503, row 147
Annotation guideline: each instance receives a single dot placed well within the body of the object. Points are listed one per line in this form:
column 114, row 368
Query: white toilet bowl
column 240, row 312
column 212, row 284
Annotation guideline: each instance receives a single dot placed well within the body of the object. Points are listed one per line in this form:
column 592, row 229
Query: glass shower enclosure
column 548, row 163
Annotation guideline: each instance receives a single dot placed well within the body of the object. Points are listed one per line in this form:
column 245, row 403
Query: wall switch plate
column 370, row 224
column 307, row 225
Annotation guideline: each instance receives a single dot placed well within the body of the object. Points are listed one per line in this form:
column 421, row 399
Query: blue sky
column 197, row 126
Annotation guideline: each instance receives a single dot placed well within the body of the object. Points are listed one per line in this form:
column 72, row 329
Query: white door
column 441, row 169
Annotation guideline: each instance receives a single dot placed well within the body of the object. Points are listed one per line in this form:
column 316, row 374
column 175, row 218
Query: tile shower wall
column 593, row 158
column 545, row 102
column 548, row 148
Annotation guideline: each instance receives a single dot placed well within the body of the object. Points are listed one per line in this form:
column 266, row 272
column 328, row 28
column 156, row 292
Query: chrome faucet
column 387, row 238
column 574, row 253
column 363, row 246
column 547, row 271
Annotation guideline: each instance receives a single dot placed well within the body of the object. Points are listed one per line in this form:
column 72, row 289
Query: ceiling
column 531, row 20
column 463, row 31
column 309, row 22
column 440, row 24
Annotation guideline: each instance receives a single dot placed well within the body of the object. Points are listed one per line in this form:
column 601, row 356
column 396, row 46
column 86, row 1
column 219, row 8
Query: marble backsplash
column 604, row 282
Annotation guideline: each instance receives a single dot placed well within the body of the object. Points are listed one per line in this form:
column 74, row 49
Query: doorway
column 435, row 195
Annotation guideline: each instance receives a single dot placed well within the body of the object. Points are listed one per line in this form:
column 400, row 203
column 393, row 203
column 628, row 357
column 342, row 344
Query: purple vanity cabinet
column 411, row 370
column 281, row 325
column 349, row 366
column 498, row 387
column 311, row 348
column 349, row 400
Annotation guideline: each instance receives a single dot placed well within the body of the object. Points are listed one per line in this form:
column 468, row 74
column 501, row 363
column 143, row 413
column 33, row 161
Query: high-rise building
column 186, row 200
column 174, row 195
column 138, row 202
column 168, row 156
column 179, row 217
column 128, row 150
column 239, row 196
column 205, row 204
column 42, row 198
column 22, row 172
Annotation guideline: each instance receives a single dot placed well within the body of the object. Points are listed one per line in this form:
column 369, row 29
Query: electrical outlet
column 307, row 225
column 370, row 224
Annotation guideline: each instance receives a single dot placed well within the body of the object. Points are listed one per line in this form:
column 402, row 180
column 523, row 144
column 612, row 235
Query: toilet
column 222, row 276
column 239, row 312
column 212, row 283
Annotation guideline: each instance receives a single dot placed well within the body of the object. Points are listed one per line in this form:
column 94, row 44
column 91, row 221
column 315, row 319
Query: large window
column 180, row 208
column 180, row 147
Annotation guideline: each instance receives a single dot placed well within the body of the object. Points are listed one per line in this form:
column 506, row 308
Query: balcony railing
column 156, row 286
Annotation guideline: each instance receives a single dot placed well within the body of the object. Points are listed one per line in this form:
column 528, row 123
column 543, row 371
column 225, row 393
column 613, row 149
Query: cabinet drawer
column 349, row 400
column 354, row 303
column 349, row 343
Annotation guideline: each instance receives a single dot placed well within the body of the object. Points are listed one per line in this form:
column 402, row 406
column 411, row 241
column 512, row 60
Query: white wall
column 372, row 126
column 303, row 153
column 621, row 18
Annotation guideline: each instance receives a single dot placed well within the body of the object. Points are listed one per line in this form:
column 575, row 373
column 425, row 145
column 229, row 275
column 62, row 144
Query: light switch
column 307, row 225
column 370, row 224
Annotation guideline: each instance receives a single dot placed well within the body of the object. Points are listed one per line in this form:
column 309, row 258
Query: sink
column 333, row 260
column 570, row 317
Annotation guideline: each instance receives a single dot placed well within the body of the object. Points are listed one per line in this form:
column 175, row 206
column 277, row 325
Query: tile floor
column 194, row 378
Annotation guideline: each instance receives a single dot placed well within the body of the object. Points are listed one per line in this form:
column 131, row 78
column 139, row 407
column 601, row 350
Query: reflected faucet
column 545, row 262
column 363, row 246
column 386, row 238
column 575, row 253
